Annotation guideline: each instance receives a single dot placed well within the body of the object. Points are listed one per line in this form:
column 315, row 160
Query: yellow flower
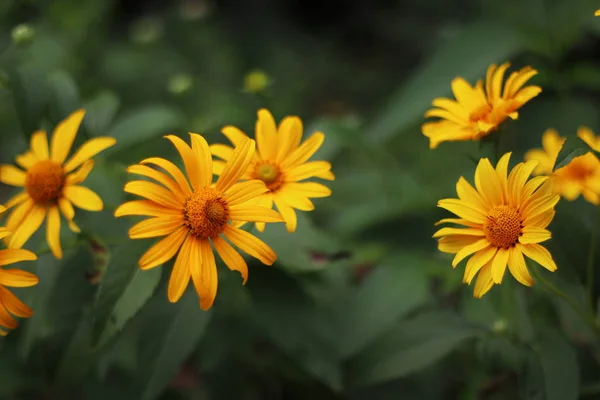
column 194, row 214
column 597, row 13
column 281, row 163
column 10, row 305
column 477, row 112
column 580, row 177
column 51, row 184
column 502, row 219
column 256, row 81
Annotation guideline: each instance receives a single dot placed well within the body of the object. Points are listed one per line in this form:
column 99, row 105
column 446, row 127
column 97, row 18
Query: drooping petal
column 6, row 320
column 207, row 283
column 88, row 150
column 468, row 250
column 453, row 244
column 17, row 216
column 164, row 250
column 518, row 268
column 288, row 214
column 232, row 259
column 13, row 304
column 499, row 263
column 53, row 231
column 250, row 244
column 477, row 261
column 32, row 221
column 484, row 281
column 538, row 254
column 64, row 135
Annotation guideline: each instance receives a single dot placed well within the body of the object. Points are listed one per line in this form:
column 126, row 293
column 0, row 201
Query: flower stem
column 591, row 258
column 588, row 319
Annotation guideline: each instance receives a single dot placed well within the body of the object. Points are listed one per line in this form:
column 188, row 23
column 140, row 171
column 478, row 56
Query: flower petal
column 145, row 208
column 158, row 226
column 11, row 175
column 288, row 214
column 13, row 304
column 305, row 151
column 39, row 145
column 254, row 214
column 453, row 244
column 237, row 166
column 88, row 150
column 294, row 199
column 81, row 174
column 83, row 198
column 180, row 274
column 463, row 210
column 306, row 189
column 266, row 135
column 244, row 191
column 468, row 250
column 499, row 263
column 53, row 231
column 533, row 234
column 64, row 135
column 204, row 275
column 17, row 199
column 539, row 254
column 164, row 250
column 289, row 136
column 202, row 153
column 153, row 192
column 17, row 277
column 235, row 135
column 222, row 151
column 475, row 263
column 306, row 170
column 232, row 259
column 189, row 159
column 250, row 244
column 488, row 183
column 32, row 221
column 171, row 169
column 484, row 281
column 6, row 320
column 518, row 268
column 161, row 178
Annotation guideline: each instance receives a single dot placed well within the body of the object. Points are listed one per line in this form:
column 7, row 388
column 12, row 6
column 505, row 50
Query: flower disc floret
column 45, row 181
column 206, row 213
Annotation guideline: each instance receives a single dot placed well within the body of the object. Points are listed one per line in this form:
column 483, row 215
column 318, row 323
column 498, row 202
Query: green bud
column 179, row 84
column 256, row 81
column 22, row 34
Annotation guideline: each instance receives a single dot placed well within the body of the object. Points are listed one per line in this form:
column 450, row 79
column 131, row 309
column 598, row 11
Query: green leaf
column 139, row 126
column 79, row 356
column 64, row 95
column 123, row 290
column 31, row 95
column 409, row 347
column 560, row 367
column 573, row 147
column 100, row 112
column 391, row 291
column 170, row 333
column 491, row 43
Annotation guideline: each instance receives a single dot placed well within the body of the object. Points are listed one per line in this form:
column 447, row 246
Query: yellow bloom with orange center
column 10, row 305
column 580, row 177
column 501, row 220
column 52, row 185
column 477, row 112
column 281, row 162
column 194, row 213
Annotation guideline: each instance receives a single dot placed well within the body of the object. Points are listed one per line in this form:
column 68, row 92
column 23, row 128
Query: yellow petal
column 158, row 226
column 88, row 150
column 266, row 135
column 13, row 304
column 153, row 192
column 39, row 145
column 488, row 183
column 204, row 274
column 463, row 210
column 453, row 244
column 64, row 135
column 539, row 254
column 164, row 250
column 11, row 175
column 294, row 199
column 475, row 263
column 26, row 160
column 518, row 268
column 499, row 265
column 232, row 259
column 288, row 214
column 468, row 194
column 307, row 189
column 17, row 277
column 16, row 200
column 305, row 151
column 468, row 250
column 250, row 244
column 534, row 235
column 241, row 192
column 53, row 231
column 81, row 174
column 289, row 136
column 66, row 208
column 222, row 151
column 254, row 214
column 171, row 169
column 83, row 198
column 6, row 320
column 306, row 170
column 17, row 215
column 180, row 275
column 160, row 178
column 484, row 281
column 30, row 224
column 144, row 207
column 237, row 166
column 459, row 231
column 235, row 135
column 189, row 159
column 202, row 153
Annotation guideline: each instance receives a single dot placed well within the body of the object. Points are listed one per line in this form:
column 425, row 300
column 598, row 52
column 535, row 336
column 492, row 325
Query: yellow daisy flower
column 477, row 112
column 194, row 214
column 281, row 163
column 10, row 305
column 500, row 220
column 580, row 177
column 597, row 13
column 51, row 184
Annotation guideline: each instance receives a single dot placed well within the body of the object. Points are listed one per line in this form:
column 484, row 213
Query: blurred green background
column 360, row 304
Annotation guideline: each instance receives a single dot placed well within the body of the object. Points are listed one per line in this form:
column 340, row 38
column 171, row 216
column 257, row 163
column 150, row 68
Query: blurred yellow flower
column 193, row 214
column 477, row 112
column 580, row 177
column 256, row 81
column 51, row 184
column 597, row 13
column 281, row 163
column 10, row 305
column 500, row 220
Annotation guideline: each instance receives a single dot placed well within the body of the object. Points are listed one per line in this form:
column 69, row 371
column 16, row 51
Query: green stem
column 588, row 319
column 591, row 258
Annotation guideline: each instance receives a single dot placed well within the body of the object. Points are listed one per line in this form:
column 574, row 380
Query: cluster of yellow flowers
column 189, row 210
column 505, row 216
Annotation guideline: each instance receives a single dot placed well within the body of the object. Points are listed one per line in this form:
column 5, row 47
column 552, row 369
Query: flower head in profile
column 281, row 162
column 479, row 110
column 581, row 176
column 192, row 213
column 10, row 305
column 51, row 183
column 500, row 220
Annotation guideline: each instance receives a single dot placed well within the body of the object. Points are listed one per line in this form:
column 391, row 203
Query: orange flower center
column 269, row 173
column 503, row 226
column 206, row 213
column 481, row 113
column 45, row 181
column 578, row 170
